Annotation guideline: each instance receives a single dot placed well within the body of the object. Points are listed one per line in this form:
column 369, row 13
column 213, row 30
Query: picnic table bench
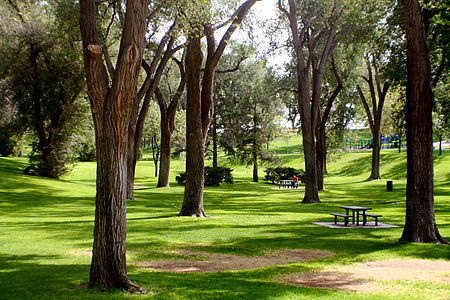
column 375, row 216
column 287, row 184
column 354, row 212
column 336, row 215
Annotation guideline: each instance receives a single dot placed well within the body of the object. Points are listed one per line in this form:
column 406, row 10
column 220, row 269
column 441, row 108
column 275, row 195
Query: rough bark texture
column 420, row 223
column 195, row 139
column 111, row 112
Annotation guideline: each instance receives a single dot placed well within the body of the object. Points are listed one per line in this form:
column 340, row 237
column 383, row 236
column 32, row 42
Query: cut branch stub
column 95, row 49
column 132, row 54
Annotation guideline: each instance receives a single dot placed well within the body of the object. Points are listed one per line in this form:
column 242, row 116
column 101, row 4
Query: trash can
column 389, row 185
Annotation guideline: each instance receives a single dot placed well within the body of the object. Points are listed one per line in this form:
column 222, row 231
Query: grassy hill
column 47, row 232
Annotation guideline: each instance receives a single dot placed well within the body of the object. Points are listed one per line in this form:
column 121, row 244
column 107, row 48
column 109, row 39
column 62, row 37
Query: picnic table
column 285, row 183
column 356, row 210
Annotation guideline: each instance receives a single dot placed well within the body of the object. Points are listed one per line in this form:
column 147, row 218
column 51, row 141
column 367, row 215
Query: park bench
column 375, row 216
column 285, row 184
column 346, row 217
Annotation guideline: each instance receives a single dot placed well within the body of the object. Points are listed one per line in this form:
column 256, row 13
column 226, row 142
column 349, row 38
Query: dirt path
column 374, row 276
column 212, row 262
column 369, row 277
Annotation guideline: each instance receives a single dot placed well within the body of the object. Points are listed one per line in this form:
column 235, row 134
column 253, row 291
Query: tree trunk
column 255, row 161
column 311, row 188
column 420, row 223
column 214, row 138
column 195, row 141
column 167, row 125
column 320, row 152
column 111, row 113
column 376, row 145
column 156, row 150
column 374, row 113
column 164, row 164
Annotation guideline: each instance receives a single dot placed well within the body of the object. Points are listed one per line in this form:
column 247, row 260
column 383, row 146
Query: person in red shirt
column 295, row 182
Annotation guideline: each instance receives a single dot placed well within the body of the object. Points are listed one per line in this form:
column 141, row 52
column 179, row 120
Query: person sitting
column 295, row 182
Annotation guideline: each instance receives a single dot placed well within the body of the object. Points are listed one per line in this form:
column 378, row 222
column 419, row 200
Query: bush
column 181, row 179
column 283, row 173
column 213, row 176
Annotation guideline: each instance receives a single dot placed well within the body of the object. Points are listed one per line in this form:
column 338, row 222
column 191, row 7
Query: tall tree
column 42, row 74
column 200, row 91
column 168, row 110
column 322, row 120
column 420, row 223
column 112, row 99
column 312, row 48
column 248, row 107
column 374, row 111
column 164, row 50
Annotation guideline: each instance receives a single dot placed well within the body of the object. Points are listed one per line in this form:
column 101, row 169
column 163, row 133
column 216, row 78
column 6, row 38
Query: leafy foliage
column 213, row 176
column 247, row 109
column 41, row 77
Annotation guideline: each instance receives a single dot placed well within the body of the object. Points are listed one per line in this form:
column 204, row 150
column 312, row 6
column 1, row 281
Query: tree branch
column 366, row 107
column 17, row 10
column 233, row 69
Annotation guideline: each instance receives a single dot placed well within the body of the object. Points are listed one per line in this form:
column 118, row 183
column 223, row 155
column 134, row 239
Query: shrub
column 213, row 176
column 283, row 173
column 181, row 179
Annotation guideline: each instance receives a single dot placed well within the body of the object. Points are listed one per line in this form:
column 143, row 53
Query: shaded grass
column 47, row 231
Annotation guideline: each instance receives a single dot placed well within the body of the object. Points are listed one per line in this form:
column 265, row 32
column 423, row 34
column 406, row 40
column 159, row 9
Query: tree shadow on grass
column 32, row 277
column 363, row 165
column 253, row 284
column 12, row 165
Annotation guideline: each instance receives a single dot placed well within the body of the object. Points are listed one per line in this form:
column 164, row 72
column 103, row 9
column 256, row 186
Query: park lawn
column 47, row 227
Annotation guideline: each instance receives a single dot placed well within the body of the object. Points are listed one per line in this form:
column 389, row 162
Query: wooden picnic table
column 356, row 210
column 285, row 183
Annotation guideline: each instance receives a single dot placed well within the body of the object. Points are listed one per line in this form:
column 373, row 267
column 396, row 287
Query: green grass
column 47, row 231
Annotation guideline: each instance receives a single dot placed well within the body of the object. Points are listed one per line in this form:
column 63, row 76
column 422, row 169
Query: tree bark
column 420, row 223
column 164, row 164
column 215, row 141
column 376, row 148
column 111, row 113
column 255, row 153
column 320, row 157
column 195, row 139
